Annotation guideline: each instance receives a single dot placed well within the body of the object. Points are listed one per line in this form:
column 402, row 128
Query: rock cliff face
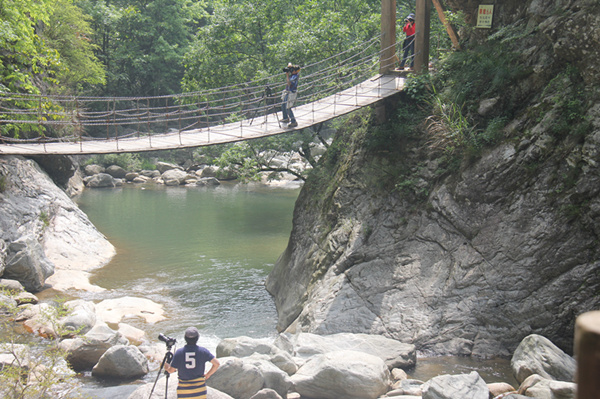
column 502, row 247
column 44, row 236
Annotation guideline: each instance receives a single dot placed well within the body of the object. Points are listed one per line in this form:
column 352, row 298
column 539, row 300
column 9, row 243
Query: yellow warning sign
column 485, row 16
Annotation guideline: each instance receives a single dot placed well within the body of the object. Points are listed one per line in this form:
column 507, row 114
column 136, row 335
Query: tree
column 33, row 33
column 246, row 40
column 23, row 54
column 69, row 33
column 142, row 43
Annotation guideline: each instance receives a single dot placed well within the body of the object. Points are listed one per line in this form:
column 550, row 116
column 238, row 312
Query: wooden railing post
column 587, row 353
column 388, row 36
column 422, row 25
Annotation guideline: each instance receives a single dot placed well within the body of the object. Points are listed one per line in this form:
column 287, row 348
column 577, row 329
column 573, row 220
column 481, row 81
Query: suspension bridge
column 355, row 78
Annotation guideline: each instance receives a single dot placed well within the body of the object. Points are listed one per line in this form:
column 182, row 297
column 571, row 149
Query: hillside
column 468, row 221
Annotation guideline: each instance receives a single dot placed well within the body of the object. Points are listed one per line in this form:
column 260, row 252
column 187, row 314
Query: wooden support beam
column 587, row 353
column 388, row 36
column 422, row 24
column 449, row 28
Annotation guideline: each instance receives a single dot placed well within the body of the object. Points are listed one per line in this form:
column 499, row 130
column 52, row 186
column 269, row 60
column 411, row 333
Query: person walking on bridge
column 409, row 43
column 189, row 362
column 289, row 95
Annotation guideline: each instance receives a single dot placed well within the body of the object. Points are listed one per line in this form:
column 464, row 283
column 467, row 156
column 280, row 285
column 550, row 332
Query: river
column 204, row 254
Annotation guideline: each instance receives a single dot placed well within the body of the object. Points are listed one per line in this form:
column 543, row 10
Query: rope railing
column 84, row 117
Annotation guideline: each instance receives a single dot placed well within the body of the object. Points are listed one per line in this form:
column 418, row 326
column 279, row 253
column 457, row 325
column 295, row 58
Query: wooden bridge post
column 587, row 353
column 388, row 36
column 422, row 24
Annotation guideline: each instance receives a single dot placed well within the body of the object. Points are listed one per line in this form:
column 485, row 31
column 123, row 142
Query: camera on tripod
column 167, row 340
column 291, row 68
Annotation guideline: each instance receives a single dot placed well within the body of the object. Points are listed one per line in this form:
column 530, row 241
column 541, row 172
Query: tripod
column 167, row 359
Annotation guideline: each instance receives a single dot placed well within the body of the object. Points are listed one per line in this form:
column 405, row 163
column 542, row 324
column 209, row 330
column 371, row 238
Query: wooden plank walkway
column 344, row 102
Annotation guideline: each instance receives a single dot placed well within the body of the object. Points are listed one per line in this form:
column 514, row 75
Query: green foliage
column 486, row 71
column 69, row 33
column 24, row 54
column 34, row 373
column 418, row 88
column 45, row 218
column 143, row 43
column 248, row 39
column 567, row 97
column 45, row 47
column 3, row 183
column 449, row 126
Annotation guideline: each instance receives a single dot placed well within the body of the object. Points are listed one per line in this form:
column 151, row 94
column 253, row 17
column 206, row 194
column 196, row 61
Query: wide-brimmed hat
column 411, row 16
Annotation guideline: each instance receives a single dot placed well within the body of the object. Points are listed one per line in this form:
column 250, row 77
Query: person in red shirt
column 409, row 43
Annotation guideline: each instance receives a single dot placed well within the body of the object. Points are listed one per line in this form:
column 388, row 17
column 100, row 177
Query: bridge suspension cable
column 85, row 118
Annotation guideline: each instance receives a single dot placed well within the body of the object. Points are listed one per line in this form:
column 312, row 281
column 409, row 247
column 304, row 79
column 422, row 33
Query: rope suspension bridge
column 338, row 85
column 94, row 125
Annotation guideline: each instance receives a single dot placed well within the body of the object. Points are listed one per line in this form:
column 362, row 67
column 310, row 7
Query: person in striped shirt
column 190, row 362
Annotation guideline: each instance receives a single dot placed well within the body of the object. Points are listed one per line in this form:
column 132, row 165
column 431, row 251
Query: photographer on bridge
column 289, row 95
column 409, row 43
column 190, row 362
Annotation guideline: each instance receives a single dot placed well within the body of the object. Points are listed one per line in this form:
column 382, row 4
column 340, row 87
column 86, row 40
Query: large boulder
column 134, row 335
column 81, row 317
column 114, row 310
column 83, row 353
column 32, row 205
column 28, row 264
column 538, row 355
column 12, row 286
column 143, row 392
column 162, row 167
column 238, row 378
column 536, row 386
column 208, row 182
column 100, row 180
column 208, row 171
column 121, row 362
column 174, row 177
column 93, row 169
column 395, row 354
column 116, row 171
column 246, row 346
column 470, row 386
column 274, row 378
column 342, row 374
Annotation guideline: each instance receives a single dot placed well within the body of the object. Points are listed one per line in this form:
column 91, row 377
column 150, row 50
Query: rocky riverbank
column 291, row 366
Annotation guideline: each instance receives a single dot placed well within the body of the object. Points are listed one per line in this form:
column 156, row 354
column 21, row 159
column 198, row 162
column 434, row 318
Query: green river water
column 204, row 254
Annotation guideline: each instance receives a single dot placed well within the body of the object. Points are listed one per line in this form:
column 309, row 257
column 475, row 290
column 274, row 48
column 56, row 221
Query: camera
column 291, row 68
column 167, row 340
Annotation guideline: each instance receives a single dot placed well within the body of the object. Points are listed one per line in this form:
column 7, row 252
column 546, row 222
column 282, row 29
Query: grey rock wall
column 42, row 231
column 505, row 247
